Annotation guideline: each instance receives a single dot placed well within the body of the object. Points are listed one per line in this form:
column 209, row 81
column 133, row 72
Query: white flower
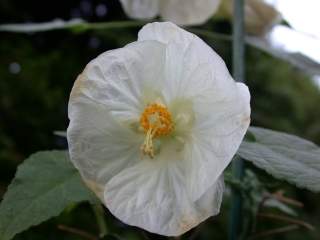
column 182, row 12
column 152, row 127
column 259, row 16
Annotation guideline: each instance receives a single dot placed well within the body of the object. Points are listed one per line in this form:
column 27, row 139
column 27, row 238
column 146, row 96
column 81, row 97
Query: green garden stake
column 238, row 45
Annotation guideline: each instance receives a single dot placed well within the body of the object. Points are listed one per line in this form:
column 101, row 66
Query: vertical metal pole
column 238, row 45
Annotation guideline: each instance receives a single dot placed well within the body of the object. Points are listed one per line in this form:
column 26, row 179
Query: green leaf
column 284, row 156
column 45, row 184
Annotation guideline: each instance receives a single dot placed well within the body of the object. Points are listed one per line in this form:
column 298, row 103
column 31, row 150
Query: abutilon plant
column 152, row 127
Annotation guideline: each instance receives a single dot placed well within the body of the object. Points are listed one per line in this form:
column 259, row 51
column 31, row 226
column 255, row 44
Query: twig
column 99, row 213
column 279, row 195
column 260, row 206
column 275, row 231
column 210, row 34
column 287, row 219
column 78, row 232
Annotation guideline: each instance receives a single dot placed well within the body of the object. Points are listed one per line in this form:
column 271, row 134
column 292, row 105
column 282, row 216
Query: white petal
column 110, row 86
column 141, row 9
column 191, row 66
column 154, row 197
column 216, row 136
column 188, row 12
column 118, row 78
column 221, row 106
column 164, row 32
column 99, row 146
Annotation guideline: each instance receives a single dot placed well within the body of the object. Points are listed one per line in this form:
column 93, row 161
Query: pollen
column 156, row 121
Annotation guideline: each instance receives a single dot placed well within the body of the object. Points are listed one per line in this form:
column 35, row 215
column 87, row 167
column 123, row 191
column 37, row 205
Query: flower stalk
column 99, row 214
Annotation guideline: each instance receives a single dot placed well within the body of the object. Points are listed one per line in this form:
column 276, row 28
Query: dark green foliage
column 284, row 156
column 44, row 185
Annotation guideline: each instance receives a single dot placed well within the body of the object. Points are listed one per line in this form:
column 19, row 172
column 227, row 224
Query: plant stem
column 116, row 25
column 286, row 219
column 279, row 195
column 210, row 34
column 275, row 231
column 238, row 43
column 78, row 232
column 234, row 183
column 99, row 214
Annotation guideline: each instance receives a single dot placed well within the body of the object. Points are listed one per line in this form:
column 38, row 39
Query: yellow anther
column 156, row 122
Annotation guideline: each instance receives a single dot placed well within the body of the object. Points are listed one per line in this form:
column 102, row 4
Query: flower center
column 156, row 121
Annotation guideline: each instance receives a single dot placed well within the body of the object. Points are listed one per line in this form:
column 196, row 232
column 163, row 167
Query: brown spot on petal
column 94, row 187
column 188, row 222
column 246, row 120
column 77, row 86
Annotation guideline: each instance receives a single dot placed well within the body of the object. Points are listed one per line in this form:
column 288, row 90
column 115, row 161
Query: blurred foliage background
column 37, row 72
